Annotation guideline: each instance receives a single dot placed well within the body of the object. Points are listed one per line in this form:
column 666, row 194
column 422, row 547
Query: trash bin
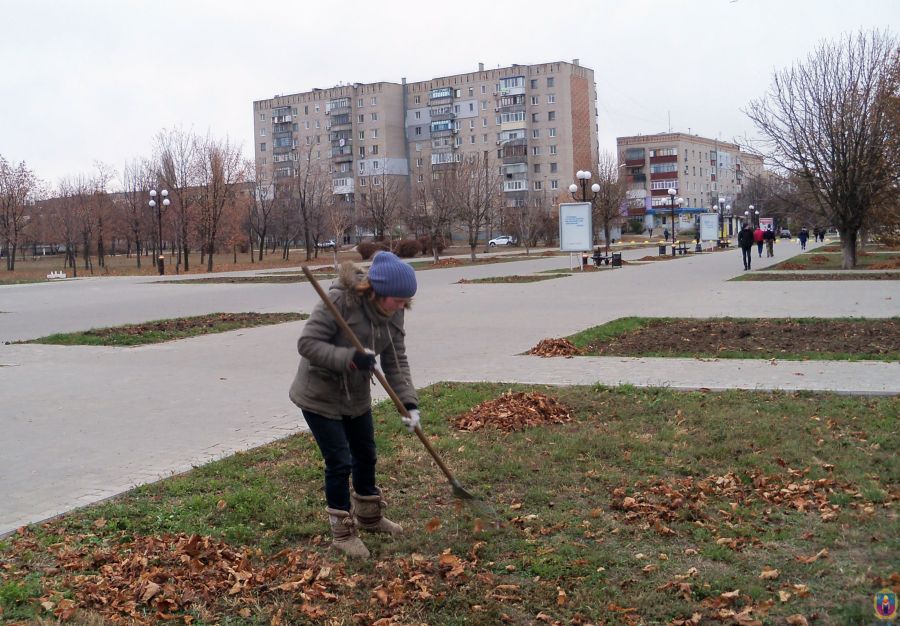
column 617, row 259
column 662, row 249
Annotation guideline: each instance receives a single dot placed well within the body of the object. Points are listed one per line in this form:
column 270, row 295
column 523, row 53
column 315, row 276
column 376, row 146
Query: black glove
column 364, row 361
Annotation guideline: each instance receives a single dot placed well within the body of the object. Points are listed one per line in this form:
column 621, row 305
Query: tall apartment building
column 536, row 123
column 701, row 170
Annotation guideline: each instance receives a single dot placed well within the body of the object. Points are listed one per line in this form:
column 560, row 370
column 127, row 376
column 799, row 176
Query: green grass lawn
column 649, row 507
column 818, row 260
column 159, row 331
column 799, row 275
column 275, row 277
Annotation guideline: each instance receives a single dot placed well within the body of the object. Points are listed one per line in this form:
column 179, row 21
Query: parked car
column 326, row 244
column 785, row 233
column 502, row 240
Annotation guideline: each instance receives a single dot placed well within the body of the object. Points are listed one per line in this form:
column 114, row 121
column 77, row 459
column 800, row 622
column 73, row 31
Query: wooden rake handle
column 378, row 374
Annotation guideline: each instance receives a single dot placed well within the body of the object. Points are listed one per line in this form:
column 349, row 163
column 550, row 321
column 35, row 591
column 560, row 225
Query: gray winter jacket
column 325, row 383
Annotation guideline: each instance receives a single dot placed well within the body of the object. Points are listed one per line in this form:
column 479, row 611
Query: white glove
column 412, row 421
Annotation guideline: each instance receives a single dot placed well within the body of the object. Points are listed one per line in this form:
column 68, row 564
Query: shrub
column 426, row 242
column 636, row 226
column 406, row 248
column 367, row 248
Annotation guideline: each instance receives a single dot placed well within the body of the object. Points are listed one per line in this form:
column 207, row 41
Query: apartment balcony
column 441, row 95
column 510, row 108
column 340, row 142
column 634, row 162
column 280, row 119
column 664, row 175
column 638, row 178
column 659, row 193
column 341, row 110
column 510, row 159
column 511, row 91
column 520, row 184
column 342, row 185
column 671, row 158
column 444, row 133
column 507, row 126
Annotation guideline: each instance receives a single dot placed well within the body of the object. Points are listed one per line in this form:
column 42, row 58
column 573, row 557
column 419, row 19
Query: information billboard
column 575, row 227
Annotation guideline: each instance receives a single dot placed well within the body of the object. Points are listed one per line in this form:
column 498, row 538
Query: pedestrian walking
column 803, row 235
column 745, row 241
column 769, row 238
column 332, row 388
column 665, row 234
column 758, row 240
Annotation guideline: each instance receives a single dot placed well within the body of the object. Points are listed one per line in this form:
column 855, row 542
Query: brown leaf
column 221, row 504
column 245, row 612
column 561, row 597
column 149, row 591
column 784, row 596
column 821, row 554
column 769, row 574
column 432, row 525
column 797, row 620
column 100, row 522
column 478, row 526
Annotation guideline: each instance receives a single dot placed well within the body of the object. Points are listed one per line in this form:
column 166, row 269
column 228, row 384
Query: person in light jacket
column 332, row 387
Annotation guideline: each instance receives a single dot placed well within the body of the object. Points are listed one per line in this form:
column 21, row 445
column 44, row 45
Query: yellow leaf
column 730, row 595
column 769, row 574
column 784, row 596
column 516, row 506
column 221, row 504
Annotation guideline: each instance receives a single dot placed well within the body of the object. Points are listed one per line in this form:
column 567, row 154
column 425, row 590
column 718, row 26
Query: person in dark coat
column 769, row 238
column 803, row 235
column 745, row 241
column 333, row 388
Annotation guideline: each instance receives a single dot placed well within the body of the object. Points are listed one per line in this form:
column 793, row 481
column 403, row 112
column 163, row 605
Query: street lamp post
column 159, row 206
column 673, row 201
column 752, row 216
column 583, row 177
column 721, row 218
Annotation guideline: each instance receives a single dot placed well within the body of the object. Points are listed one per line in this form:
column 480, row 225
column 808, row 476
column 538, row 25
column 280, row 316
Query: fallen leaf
column 769, row 574
column 561, row 597
column 245, row 612
column 784, row 596
column 797, row 620
column 221, row 504
column 432, row 525
column 100, row 522
column 821, row 554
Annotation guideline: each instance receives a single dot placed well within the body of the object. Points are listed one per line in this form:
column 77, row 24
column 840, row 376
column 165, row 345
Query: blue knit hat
column 392, row 278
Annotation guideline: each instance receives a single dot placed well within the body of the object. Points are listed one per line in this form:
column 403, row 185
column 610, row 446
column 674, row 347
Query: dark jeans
column 747, row 254
column 759, row 246
column 348, row 449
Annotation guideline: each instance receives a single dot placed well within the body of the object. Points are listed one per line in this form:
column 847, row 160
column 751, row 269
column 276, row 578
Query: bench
column 56, row 274
column 615, row 258
column 723, row 243
column 679, row 247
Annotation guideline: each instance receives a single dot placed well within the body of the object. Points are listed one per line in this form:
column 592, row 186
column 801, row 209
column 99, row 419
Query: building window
column 484, row 139
column 419, row 162
column 317, row 108
column 262, row 132
column 418, row 115
column 262, row 117
column 418, row 132
column 374, row 117
column 471, row 138
column 317, row 124
column 360, row 118
column 417, row 99
column 418, row 147
column 554, row 167
column 359, row 103
column 471, row 107
column 484, row 105
column 362, row 152
column 534, row 101
column 306, row 110
column 419, row 178
column 456, row 108
column 552, row 132
column 483, row 89
column 363, row 182
column 534, row 117
column 537, row 185
column 554, row 184
column 375, row 149
column 551, row 99
column 535, row 151
column 308, row 140
column 551, row 116
column 374, row 101
column 471, row 91
column 553, row 149
column 550, row 82
column 306, row 124
column 376, row 164
column 484, row 122
column 537, row 168
column 535, row 133
column 471, row 124
column 374, row 133
column 362, row 134
column 262, row 147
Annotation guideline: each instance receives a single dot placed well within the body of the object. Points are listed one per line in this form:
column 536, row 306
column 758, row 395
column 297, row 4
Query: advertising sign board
column 575, row 227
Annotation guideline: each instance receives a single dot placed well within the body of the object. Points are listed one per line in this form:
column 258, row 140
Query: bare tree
column 220, row 170
column 137, row 178
column 337, row 219
column 102, row 207
column 309, row 191
column 478, row 183
column 18, row 187
column 608, row 205
column 434, row 206
column 826, row 124
column 260, row 207
column 177, row 157
column 384, row 201
column 64, row 212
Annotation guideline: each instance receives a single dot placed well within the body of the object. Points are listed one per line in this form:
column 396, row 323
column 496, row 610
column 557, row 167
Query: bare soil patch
column 768, row 338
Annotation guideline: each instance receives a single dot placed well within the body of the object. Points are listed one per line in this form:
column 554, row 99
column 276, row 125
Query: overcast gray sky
column 94, row 80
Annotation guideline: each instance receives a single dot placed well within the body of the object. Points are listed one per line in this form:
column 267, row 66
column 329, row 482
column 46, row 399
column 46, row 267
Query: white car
column 326, row 244
column 502, row 240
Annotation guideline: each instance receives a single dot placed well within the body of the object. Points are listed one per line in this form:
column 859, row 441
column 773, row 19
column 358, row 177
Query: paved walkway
column 79, row 424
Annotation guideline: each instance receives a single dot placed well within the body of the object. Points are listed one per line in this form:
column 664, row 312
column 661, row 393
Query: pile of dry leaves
column 448, row 262
column 555, row 347
column 514, row 411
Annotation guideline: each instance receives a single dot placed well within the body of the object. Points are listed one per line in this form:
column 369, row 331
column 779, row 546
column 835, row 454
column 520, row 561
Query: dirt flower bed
column 767, row 338
column 514, row 411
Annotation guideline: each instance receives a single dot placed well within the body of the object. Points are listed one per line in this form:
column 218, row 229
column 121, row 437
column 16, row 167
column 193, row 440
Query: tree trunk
column 848, row 249
column 472, row 251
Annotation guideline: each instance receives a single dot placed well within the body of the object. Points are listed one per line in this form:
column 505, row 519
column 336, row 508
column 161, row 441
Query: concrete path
column 79, row 424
